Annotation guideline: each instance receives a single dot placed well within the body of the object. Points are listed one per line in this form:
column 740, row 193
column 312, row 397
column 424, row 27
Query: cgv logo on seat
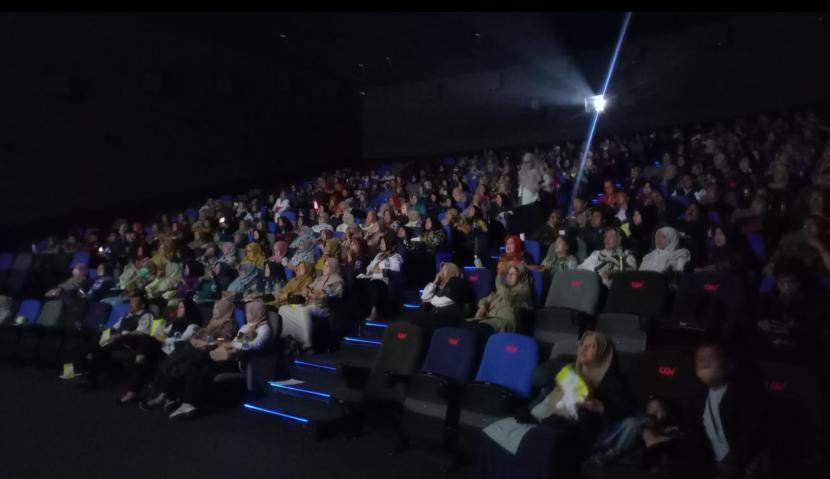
column 775, row 386
column 402, row 335
column 638, row 284
column 667, row 371
column 576, row 283
column 710, row 287
column 511, row 348
column 474, row 278
column 454, row 341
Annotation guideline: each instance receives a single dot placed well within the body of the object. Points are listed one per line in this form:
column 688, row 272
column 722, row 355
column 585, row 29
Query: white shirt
column 263, row 334
column 437, row 301
column 170, row 342
column 392, row 263
column 280, row 206
column 713, row 425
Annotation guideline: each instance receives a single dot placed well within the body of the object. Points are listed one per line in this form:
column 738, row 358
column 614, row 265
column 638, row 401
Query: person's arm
column 428, row 293
column 393, row 263
column 263, row 334
column 590, row 262
column 145, row 323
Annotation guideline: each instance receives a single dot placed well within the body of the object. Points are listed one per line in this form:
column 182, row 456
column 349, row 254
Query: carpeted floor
column 52, row 429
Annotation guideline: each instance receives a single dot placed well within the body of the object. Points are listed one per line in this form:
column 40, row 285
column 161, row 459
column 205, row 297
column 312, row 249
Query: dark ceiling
column 374, row 49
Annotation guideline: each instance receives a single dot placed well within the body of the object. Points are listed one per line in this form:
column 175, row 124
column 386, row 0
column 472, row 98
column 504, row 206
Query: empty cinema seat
column 634, row 299
column 431, row 397
column 706, row 301
column 501, row 386
column 572, row 302
column 480, row 279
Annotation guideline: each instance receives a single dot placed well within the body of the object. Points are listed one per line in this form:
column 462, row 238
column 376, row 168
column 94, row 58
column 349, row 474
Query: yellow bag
column 105, row 336
column 158, row 327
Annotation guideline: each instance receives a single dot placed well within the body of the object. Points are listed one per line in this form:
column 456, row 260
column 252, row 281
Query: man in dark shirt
column 548, row 232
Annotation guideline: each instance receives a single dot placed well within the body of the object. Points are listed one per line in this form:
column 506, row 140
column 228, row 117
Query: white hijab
column 671, row 257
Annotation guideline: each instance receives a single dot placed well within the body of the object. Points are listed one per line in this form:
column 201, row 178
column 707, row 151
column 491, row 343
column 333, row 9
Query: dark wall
column 751, row 64
column 111, row 113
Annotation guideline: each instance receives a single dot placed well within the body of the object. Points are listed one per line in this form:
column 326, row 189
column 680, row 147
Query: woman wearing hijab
column 193, row 273
column 666, row 255
column 556, row 433
column 348, row 220
column 611, row 259
column 304, row 253
column 372, row 289
column 165, row 253
column 497, row 311
column 165, row 282
column 229, row 255
column 294, row 291
column 331, row 249
column 443, row 299
column 296, row 318
column 514, row 253
column 224, row 356
column 726, row 251
column 250, row 269
column 530, row 185
column 808, row 245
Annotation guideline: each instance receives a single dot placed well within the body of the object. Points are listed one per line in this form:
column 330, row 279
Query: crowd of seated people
column 748, row 198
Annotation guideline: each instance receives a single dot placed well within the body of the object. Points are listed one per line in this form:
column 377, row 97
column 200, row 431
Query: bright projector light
column 595, row 103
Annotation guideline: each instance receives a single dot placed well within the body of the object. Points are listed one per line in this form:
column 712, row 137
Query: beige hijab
column 448, row 271
column 591, row 373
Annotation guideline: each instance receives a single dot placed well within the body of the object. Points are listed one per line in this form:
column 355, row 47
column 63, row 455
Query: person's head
column 661, row 411
column 666, row 238
column 759, row 206
column 528, row 160
column 331, row 266
column 815, row 227
column 622, row 199
column 560, row 246
column 554, row 218
column 612, row 239
column 711, row 364
column 719, row 237
column 780, row 174
column 693, row 213
column 512, row 245
column 512, row 276
column 137, row 302
column 580, row 204
column 255, row 312
column 80, row 270
column 788, row 278
column 608, row 187
column 597, row 218
column 817, row 202
column 592, row 348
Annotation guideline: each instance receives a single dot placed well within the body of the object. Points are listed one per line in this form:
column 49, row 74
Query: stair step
column 321, row 418
column 351, row 354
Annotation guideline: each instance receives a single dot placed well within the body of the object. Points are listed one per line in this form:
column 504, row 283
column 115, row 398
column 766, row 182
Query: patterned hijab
column 254, row 255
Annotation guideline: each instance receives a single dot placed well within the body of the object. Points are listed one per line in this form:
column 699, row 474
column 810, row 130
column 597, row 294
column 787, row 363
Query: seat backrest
column 22, row 261
column 291, row 216
column 481, row 281
column 6, row 260
column 206, row 311
column 564, row 347
column 239, row 316
column 96, row 316
column 509, row 360
column 670, row 374
column 538, row 283
column 708, row 296
column 29, row 309
column 757, row 245
column 289, row 274
column 577, row 290
column 272, row 227
column 80, row 257
column 633, row 366
column 798, row 414
column 534, row 249
column 452, row 353
column 643, row 293
column 73, row 312
column 50, row 313
column 400, row 350
column 118, row 311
